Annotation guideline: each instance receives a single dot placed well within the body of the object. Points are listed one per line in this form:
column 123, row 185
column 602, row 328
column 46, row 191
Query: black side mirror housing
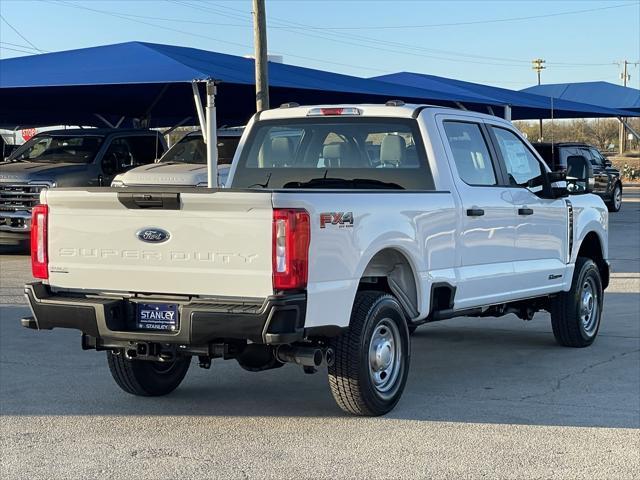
column 580, row 177
column 557, row 182
column 607, row 163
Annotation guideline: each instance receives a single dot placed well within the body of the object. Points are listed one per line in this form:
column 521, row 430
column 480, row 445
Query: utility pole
column 621, row 131
column 260, row 54
column 538, row 67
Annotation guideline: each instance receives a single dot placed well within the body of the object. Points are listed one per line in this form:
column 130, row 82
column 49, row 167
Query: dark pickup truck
column 67, row 158
column 607, row 181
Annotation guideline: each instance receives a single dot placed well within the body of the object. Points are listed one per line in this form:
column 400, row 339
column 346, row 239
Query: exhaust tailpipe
column 304, row 356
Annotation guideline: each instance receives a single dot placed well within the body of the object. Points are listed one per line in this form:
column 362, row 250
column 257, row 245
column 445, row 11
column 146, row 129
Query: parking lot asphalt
column 494, row 398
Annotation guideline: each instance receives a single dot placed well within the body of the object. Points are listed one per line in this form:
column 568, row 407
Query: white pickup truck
column 342, row 230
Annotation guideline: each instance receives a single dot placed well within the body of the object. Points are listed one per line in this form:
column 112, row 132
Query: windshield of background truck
column 59, row 148
column 191, row 149
column 323, row 152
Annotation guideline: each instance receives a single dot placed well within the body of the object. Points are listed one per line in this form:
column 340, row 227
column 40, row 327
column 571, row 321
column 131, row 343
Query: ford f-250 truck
column 67, row 158
column 344, row 228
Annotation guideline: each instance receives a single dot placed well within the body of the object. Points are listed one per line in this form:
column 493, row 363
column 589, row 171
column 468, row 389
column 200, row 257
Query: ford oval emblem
column 153, row 235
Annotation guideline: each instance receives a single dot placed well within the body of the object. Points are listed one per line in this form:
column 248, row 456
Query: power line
column 19, row 34
column 295, row 28
column 18, row 45
column 474, row 22
column 31, row 52
column 291, row 26
column 243, row 46
column 371, row 43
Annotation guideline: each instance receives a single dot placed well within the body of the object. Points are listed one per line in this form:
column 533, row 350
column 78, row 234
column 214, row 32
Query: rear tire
column 372, row 357
column 146, row 378
column 576, row 314
column 616, row 199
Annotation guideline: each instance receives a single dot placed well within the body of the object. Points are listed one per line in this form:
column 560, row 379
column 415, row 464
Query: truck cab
column 67, row 158
column 342, row 229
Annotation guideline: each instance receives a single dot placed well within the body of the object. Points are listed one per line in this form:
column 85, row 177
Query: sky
column 491, row 42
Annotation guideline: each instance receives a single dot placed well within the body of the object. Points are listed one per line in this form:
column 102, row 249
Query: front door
column 541, row 223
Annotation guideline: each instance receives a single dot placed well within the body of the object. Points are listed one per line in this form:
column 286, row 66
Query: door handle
column 475, row 212
column 525, row 211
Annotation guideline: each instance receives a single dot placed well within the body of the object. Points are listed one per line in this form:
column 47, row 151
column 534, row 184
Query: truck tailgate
column 219, row 244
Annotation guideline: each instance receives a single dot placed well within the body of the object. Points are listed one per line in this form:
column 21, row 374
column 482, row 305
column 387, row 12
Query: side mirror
column 607, row 163
column 558, row 183
column 580, row 177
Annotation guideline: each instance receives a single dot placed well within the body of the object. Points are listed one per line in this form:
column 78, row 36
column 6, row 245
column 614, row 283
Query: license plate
column 157, row 316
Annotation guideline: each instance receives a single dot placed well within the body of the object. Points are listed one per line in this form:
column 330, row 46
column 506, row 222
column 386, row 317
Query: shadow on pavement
column 464, row 370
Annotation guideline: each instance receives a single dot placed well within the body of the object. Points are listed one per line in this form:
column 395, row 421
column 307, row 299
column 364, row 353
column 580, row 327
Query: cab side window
column 470, row 153
column 522, row 165
column 596, row 157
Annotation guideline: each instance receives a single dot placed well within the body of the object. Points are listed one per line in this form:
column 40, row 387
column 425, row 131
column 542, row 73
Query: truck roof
column 100, row 132
column 391, row 109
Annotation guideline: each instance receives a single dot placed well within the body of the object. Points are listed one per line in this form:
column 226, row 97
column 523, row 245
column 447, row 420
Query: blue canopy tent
column 523, row 105
column 604, row 94
column 152, row 82
column 155, row 85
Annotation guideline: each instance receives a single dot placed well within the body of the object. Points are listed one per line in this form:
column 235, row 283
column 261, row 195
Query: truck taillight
column 291, row 236
column 39, row 254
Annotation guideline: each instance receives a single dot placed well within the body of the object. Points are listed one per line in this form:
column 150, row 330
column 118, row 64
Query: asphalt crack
column 558, row 384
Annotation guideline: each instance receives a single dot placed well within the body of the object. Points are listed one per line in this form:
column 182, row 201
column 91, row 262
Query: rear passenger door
column 486, row 244
column 541, row 223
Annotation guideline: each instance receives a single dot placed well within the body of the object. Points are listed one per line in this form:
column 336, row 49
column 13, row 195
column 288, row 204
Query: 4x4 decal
column 341, row 219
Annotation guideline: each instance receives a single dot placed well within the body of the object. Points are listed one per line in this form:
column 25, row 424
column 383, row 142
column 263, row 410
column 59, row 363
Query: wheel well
column 389, row 270
column 591, row 247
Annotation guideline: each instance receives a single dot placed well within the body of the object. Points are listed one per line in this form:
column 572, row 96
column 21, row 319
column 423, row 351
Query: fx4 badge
column 341, row 219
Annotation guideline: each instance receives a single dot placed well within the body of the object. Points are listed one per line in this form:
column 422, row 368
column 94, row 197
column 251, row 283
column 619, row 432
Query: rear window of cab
column 334, row 152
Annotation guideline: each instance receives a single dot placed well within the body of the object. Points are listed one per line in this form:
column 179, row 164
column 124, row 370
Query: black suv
column 67, row 158
column 607, row 182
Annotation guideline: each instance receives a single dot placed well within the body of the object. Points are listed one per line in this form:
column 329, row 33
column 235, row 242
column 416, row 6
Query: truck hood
column 23, row 172
column 170, row 174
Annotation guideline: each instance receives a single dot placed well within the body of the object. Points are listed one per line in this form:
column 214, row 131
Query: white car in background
column 185, row 164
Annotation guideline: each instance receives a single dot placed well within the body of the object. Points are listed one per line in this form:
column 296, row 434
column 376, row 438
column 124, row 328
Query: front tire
column 146, row 378
column 372, row 357
column 576, row 314
column 616, row 199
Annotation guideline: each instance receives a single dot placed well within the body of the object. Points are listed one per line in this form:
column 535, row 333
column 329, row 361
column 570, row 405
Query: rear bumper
column 278, row 319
